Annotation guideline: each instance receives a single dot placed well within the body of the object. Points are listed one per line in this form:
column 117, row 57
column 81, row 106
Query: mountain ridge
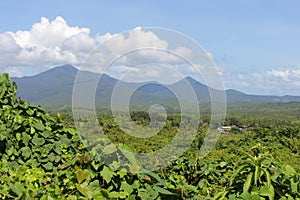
column 54, row 87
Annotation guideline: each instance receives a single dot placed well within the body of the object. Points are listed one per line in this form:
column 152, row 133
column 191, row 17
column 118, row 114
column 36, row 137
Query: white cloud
column 282, row 74
column 52, row 43
column 137, row 38
column 80, row 42
column 46, row 44
column 184, row 52
column 9, row 49
column 275, row 81
column 288, row 75
column 8, row 44
column 47, row 34
column 103, row 38
column 137, row 47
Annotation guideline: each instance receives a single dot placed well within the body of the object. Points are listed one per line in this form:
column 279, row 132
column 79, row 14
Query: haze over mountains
column 55, row 86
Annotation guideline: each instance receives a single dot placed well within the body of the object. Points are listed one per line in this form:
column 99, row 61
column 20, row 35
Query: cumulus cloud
column 274, row 81
column 9, row 49
column 46, row 44
column 137, row 47
column 47, row 34
column 8, row 44
column 136, row 38
column 276, row 73
column 52, row 43
column 290, row 79
column 288, row 75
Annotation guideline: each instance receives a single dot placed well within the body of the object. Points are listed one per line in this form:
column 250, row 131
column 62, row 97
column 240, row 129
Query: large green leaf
column 237, row 171
column 48, row 166
column 109, row 149
column 221, row 195
column 127, row 188
column 18, row 188
column 256, row 174
column 248, row 182
column 127, row 152
column 26, row 152
column 85, row 190
column 39, row 126
column 268, row 177
column 38, row 141
column 163, row 191
column 81, row 175
column 294, row 186
column 107, row 174
column 290, row 171
column 265, row 191
column 26, row 138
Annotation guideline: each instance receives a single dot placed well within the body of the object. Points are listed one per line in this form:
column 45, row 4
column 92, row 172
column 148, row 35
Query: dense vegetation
column 42, row 157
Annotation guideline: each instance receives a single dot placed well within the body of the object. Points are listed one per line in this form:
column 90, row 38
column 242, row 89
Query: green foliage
column 42, row 157
column 261, row 176
column 37, row 151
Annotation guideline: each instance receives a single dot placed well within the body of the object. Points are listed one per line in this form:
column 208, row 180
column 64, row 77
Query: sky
column 255, row 45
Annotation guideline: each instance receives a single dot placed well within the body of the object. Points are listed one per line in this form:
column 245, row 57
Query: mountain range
column 54, row 87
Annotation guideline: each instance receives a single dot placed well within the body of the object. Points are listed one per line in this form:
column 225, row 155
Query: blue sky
column 254, row 43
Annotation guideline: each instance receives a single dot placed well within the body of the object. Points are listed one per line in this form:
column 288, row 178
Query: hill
column 55, row 86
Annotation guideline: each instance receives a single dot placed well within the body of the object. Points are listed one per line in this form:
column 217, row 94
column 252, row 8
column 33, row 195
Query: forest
column 44, row 157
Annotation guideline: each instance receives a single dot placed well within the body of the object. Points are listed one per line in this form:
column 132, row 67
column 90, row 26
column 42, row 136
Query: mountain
column 55, row 86
column 51, row 87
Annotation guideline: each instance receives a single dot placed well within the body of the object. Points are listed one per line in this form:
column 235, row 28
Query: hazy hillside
column 54, row 87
